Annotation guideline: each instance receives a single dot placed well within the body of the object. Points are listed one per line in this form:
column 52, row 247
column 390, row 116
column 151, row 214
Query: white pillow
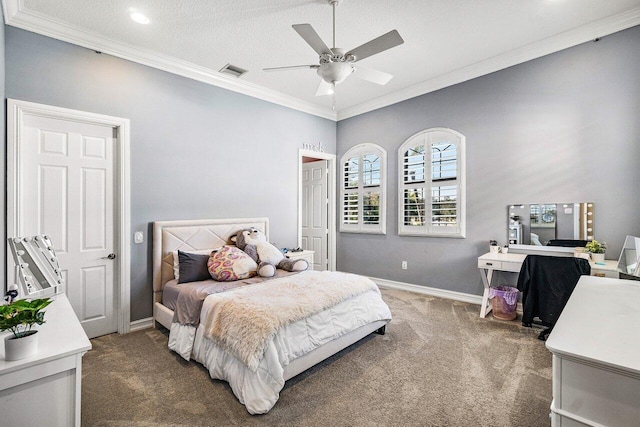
column 176, row 259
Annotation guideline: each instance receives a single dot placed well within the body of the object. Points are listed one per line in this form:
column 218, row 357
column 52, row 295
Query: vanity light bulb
column 589, row 230
column 589, row 213
column 20, row 252
column 589, row 221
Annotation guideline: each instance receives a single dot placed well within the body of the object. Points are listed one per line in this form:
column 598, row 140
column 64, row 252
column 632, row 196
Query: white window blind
column 431, row 190
column 363, row 190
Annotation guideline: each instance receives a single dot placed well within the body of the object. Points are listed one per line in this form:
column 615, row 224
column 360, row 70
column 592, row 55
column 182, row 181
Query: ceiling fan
column 336, row 64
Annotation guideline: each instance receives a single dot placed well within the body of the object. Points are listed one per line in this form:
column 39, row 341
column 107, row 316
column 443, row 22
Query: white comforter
column 260, row 390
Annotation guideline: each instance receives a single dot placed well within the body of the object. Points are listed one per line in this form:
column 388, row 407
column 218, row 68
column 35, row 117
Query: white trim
column 434, row 292
column 574, row 37
column 17, row 15
column 331, row 183
column 137, row 325
column 16, row 111
column 426, row 290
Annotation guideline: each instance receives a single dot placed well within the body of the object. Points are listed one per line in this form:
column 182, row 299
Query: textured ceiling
column 441, row 36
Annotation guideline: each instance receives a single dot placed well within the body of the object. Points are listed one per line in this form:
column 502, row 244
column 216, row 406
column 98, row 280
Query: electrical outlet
column 404, row 265
column 138, row 237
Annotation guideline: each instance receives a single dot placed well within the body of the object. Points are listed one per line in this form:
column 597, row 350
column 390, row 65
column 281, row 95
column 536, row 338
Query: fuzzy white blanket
column 244, row 320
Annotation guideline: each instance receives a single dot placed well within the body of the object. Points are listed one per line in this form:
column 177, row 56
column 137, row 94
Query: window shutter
column 430, row 190
column 363, row 190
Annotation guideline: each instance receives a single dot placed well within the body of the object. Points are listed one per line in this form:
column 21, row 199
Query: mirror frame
column 37, row 270
column 590, row 212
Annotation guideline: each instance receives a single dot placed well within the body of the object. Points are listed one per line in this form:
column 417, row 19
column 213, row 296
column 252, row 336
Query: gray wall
column 197, row 151
column 562, row 127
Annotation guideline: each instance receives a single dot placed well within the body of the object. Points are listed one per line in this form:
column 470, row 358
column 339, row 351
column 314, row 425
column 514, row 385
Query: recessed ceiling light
column 140, row 18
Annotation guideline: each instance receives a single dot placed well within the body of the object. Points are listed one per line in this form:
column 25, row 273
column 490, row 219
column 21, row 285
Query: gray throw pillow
column 193, row 267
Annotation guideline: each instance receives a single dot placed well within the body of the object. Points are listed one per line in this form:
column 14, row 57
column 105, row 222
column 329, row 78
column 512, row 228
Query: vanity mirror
column 566, row 224
column 37, row 270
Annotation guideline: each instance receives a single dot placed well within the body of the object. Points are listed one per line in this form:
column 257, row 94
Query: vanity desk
column 490, row 262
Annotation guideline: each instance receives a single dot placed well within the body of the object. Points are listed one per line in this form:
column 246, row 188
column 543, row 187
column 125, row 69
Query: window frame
column 428, row 138
column 360, row 151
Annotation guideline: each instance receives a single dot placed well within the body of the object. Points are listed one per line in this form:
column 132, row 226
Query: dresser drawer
column 511, row 266
column 496, row 265
column 604, row 273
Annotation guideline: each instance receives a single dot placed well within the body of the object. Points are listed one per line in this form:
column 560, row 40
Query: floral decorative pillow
column 230, row 263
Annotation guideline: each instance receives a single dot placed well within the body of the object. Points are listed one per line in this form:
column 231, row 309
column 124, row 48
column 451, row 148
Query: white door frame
column 331, row 183
column 16, row 110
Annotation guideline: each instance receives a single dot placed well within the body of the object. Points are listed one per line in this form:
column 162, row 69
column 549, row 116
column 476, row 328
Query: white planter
column 19, row 348
column 597, row 257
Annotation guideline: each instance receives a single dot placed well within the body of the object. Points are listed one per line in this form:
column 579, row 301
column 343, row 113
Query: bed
column 294, row 348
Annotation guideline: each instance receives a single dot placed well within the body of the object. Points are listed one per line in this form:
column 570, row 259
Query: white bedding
column 260, row 390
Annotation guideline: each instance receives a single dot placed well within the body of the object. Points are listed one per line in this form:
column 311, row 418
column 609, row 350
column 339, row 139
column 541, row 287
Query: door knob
column 110, row 256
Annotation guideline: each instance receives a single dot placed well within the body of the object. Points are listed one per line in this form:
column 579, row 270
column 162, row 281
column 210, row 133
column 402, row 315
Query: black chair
column 546, row 283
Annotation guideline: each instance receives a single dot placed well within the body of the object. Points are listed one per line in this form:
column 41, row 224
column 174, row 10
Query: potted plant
column 597, row 250
column 19, row 317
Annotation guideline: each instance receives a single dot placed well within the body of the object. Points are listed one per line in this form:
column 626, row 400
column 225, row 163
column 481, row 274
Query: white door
column 315, row 211
column 65, row 173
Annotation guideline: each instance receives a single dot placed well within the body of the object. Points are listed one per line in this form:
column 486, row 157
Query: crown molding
column 17, row 15
column 559, row 42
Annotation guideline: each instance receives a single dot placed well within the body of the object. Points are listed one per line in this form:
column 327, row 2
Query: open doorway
column 316, row 207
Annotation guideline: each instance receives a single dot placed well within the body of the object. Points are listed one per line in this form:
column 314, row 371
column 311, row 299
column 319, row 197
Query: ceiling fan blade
column 309, row 35
column 291, row 67
column 324, row 88
column 373, row 76
column 377, row 45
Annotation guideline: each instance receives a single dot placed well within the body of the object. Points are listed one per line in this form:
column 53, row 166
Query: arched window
column 431, row 185
column 363, row 193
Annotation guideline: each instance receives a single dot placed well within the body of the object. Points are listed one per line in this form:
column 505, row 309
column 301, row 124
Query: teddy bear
column 266, row 255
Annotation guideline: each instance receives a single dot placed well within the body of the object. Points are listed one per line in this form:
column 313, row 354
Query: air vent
column 233, row 70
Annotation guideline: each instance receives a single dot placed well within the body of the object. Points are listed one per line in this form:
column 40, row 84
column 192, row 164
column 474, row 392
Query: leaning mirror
column 628, row 263
column 566, row 224
column 37, row 269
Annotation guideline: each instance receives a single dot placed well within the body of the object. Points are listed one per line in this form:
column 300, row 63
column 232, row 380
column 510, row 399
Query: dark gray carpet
column 439, row 364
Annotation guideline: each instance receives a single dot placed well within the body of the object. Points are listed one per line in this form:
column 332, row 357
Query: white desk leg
column 487, row 275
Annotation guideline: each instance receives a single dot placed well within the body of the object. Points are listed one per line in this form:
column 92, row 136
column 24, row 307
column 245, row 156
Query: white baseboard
column 442, row 293
column 137, row 325
column 435, row 292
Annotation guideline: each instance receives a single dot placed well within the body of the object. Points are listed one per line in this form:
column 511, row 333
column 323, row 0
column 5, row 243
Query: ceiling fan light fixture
column 335, row 72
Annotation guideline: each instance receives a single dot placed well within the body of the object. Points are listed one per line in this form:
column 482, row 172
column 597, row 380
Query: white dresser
column 45, row 389
column 596, row 355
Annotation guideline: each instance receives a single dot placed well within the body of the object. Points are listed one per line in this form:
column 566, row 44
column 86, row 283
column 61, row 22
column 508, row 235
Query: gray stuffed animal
column 266, row 255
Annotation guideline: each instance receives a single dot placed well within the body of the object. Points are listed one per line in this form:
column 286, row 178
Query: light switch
column 138, row 237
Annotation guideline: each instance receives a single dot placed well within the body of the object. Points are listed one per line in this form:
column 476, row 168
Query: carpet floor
column 439, row 364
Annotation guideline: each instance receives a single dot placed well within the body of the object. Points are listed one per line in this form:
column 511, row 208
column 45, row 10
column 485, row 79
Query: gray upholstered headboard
column 186, row 235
